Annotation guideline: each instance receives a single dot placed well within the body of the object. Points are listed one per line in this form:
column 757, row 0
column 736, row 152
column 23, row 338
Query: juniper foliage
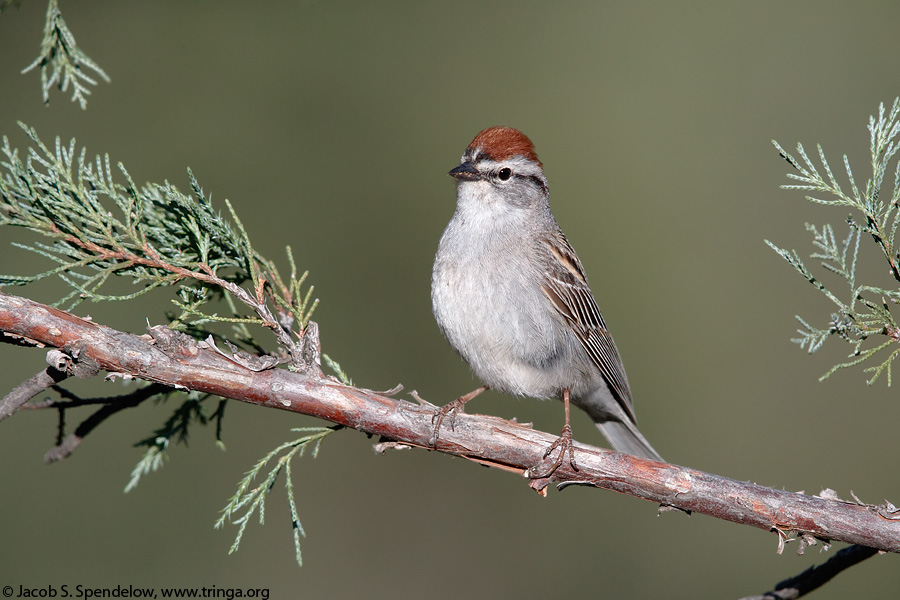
column 862, row 317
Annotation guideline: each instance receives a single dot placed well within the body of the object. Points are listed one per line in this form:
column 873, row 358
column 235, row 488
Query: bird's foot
column 451, row 409
column 566, row 449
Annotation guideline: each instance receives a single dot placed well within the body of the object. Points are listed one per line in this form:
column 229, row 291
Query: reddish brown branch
column 176, row 360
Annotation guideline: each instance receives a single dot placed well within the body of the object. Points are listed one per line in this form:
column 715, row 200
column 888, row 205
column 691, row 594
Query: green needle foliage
column 252, row 500
column 98, row 225
column 154, row 235
column 863, row 311
column 176, row 427
column 61, row 61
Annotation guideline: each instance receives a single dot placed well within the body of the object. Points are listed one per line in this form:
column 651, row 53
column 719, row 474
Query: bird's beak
column 465, row 172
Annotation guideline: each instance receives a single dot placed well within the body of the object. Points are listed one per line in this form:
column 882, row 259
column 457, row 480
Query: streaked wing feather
column 568, row 290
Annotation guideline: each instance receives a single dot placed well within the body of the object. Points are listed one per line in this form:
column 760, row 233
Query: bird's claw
column 452, row 408
column 566, row 448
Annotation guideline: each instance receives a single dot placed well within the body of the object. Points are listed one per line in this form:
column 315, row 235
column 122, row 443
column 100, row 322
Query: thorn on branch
column 415, row 395
column 888, row 511
column 782, row 538
column 391, row 392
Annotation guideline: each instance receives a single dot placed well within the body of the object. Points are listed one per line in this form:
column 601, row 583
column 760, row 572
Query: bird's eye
column 504, row 173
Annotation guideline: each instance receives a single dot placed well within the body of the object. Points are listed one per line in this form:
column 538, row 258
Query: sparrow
column 512, row 298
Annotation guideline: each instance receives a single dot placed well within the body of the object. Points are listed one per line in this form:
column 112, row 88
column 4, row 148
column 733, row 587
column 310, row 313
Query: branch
column 28, row 389
column 111, row 405
column 815, row 577
column 176, row 360
column 60, row 367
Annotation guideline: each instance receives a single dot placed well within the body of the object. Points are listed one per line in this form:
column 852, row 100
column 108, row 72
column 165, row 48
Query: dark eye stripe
column 537, row 181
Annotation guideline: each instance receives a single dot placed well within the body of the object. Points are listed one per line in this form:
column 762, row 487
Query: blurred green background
column 331, row 126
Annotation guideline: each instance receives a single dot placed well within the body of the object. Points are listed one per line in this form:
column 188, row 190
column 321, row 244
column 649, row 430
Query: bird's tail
column 625, row 437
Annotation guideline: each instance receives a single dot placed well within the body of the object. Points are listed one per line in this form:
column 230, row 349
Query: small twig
column 73, row 440
column 815, row 577
column 112, row 404
column 206, row 275
column 71, row 400
column 28, row 389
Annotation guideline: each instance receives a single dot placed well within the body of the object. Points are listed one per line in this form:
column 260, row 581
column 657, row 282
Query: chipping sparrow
column 511, row 297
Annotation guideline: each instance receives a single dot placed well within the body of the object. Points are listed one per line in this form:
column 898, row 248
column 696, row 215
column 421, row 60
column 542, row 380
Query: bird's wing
column 567, row 288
